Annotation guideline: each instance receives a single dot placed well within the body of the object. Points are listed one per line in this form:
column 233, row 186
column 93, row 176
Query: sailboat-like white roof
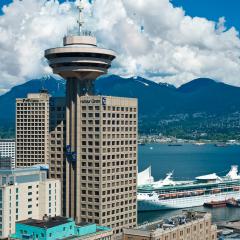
column 212, row 176
column 145, row 177
column 233, row 173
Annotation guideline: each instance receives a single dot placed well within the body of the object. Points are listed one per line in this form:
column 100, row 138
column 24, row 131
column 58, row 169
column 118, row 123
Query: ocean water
column 188, row 161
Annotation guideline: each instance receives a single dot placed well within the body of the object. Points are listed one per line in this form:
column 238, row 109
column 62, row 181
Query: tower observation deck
column 80, row 62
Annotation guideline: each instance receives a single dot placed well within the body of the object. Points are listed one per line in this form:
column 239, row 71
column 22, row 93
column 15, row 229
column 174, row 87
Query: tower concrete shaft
column 73, row 140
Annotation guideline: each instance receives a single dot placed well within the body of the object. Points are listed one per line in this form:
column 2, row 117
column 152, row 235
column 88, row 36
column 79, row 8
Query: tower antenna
column 80, row 19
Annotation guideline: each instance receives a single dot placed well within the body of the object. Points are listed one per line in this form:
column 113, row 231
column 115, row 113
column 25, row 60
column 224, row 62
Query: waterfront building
column 101, row 137
column 26, row 193
column 32, row 129
column 59, row 228
column 7, row 153
column 189, row 225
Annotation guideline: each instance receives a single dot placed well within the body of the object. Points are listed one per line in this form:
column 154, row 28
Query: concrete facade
column 32, row 130
column 57, row 139
column 26, row 193
column 101, row 177
column 189, row 226
column 7, row 153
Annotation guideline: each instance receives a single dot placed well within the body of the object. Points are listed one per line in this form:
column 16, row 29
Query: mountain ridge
column 156, row 101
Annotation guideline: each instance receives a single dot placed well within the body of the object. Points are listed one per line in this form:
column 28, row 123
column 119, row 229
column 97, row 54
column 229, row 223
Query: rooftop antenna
column 43, row 89
column 67, row 30
column 142, row 28
column 92, row 7
column 42, row 84
column 80, row 20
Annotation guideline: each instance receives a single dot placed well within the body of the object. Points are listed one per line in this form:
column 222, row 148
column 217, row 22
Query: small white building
column 7, row 153
column 27, row 193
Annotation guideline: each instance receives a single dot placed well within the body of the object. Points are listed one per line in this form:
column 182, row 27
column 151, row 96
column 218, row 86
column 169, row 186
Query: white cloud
column 26, row 29
column 153, row 39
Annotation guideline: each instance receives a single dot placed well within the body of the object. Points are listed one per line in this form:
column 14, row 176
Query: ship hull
column 155, row 204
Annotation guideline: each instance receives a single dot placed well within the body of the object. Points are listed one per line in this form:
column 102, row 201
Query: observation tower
column 79, row 61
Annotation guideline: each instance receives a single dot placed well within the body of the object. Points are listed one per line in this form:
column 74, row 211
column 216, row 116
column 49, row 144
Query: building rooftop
column 46, row 223
column 24, row 169
column 59, row 229
column 234, row 225
column 7, row 140
column 184, row 218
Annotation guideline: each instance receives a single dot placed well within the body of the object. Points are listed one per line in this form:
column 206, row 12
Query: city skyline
column 88, row 162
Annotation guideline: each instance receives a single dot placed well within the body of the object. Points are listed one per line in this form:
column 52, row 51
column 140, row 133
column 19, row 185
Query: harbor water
column 188, row 161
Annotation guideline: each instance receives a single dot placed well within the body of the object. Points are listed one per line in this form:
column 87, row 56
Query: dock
column 229, row 230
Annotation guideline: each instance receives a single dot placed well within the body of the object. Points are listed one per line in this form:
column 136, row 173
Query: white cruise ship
column 170, row 194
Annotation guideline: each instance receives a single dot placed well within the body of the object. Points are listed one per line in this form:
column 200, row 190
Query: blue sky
column 213, row 9
column 210, row 9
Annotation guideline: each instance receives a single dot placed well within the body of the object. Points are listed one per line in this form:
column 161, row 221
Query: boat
column 220, row 145
column 233, row 203
column 173, row 194
column 199, row 143
column 174, row 145
column 215, row 204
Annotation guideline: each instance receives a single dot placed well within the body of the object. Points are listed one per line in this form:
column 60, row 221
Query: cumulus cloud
column 152, row 38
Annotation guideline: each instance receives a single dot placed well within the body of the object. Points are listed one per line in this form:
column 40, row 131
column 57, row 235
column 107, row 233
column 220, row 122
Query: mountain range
column 157, row 101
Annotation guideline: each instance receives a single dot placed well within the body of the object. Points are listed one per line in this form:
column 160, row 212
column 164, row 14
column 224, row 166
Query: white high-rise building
column 27, row 193
column 7, row 153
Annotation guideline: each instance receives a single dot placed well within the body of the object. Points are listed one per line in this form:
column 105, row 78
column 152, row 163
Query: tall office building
column 57, row 126
column 101, row 137
column 32, row 129
column 27, row 193
column 7, row 153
